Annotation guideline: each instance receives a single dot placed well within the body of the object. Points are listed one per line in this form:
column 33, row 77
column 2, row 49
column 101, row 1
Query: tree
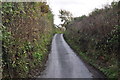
column 65, row 17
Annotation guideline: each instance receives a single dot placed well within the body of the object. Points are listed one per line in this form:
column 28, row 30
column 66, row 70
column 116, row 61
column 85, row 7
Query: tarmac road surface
column 63, row 62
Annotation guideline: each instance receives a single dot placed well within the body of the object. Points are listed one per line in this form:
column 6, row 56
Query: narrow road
column 63, row 62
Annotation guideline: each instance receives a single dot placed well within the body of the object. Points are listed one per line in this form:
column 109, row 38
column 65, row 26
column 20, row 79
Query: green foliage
column 96, row 38
column 58, row 30
column 26, row 36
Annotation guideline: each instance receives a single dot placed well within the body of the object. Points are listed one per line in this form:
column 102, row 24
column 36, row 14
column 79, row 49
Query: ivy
column 23, row 49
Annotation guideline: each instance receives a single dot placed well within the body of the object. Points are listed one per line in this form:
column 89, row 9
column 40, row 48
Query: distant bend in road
column 63, row 62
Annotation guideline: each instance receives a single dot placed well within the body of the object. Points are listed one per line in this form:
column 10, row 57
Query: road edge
column 90, row 67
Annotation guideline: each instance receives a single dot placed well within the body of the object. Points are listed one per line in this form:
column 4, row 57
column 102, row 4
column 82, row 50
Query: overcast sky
column 76, row 7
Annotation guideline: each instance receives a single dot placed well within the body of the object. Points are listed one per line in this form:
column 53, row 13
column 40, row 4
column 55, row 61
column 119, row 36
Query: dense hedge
column 95, row 38
column 27, row 32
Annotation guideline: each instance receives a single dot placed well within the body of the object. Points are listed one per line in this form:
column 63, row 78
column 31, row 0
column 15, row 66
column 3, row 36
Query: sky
column 76, row 7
